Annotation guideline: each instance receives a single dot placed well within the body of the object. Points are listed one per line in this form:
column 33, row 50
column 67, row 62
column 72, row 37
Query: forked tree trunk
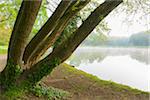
column 33, row 75
column 12, row 77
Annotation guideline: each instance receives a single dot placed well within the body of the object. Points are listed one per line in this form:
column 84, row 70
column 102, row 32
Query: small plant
column 49, row 92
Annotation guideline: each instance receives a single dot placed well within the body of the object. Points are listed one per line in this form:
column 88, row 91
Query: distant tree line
column 138, row 39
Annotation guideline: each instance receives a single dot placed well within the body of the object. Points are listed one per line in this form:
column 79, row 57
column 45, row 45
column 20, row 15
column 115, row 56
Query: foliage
column 8, row 13
column 9, row 10
column 49, row 92
column 3, row 49
column 4, row 36
column 68, row 31
column 135, row 11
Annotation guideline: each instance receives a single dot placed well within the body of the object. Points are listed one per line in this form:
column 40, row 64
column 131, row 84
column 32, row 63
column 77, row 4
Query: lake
column 128, row 66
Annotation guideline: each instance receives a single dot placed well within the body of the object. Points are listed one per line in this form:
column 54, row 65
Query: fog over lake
column 128, row 66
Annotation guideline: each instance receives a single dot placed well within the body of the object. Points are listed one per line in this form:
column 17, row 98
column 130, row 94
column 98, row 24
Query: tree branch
column 85, row 29
column 47, row 28
column 49, row 41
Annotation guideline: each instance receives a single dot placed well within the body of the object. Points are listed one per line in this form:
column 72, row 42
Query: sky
column 122, row 28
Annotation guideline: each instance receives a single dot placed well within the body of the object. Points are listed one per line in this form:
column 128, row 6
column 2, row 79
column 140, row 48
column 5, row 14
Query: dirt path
column 3, row 58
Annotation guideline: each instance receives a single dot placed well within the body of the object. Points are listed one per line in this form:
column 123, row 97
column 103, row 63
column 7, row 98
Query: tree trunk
column 22, row 28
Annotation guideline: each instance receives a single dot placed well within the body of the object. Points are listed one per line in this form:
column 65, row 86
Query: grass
column 3, row 49
column 113, row 85
column 38, row 91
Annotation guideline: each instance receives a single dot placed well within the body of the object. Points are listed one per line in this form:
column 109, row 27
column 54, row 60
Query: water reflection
column 127, row 66
column 90, row 54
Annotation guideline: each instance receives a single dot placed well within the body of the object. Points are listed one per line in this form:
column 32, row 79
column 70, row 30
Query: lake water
column 128, row 66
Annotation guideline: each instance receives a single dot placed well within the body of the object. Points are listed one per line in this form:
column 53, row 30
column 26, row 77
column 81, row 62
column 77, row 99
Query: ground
column 82, row 86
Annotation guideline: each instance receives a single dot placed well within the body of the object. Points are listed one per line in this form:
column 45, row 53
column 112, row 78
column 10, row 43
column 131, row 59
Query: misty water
column 128, row 66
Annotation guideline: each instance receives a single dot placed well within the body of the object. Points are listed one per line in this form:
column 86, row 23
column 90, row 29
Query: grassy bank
column 84, row 86
column 68, row 83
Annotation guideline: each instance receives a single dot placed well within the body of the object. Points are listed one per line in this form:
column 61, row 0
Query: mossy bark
column 9, row 75
column 20, row 82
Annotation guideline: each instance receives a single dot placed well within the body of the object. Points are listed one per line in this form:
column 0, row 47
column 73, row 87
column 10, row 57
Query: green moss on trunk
column 16, row 82
column 9, row 74
column 41, row 69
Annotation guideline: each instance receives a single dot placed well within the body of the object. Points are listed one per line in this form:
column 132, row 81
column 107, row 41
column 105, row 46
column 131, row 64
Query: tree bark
column 47, row 28
column 63, row 51
column 22, row 28
column 50, row 40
